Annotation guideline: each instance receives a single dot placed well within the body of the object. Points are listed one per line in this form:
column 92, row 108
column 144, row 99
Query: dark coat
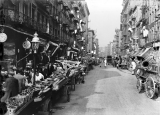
column 50, row 69
column 12, row 88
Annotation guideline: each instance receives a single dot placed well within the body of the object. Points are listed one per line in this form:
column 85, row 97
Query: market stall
column 39, row 95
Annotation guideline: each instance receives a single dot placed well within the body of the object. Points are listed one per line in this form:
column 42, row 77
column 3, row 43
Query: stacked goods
column 16, row 102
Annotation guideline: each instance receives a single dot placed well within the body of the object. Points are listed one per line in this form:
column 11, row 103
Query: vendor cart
column 147, row 73
column 42, row 100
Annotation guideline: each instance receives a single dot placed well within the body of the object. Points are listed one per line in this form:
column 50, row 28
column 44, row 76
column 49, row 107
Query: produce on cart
column 39, row 93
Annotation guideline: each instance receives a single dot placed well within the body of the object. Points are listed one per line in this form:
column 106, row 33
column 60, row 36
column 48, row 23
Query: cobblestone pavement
column 108, row 91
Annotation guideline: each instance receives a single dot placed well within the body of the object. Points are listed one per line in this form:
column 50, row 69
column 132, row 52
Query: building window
column 53, row 31
column 56, row 32
column 25, row 9
column 25, row 12
column 46, row 21
column 38, row 17
column 33, row 11
column 53, row 10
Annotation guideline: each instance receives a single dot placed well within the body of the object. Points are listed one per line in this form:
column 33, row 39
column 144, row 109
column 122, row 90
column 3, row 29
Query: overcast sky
column 104, row 18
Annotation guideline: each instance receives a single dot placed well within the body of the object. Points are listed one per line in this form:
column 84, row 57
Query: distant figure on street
column 133, row 65
column 105, row 62
column 119, row 61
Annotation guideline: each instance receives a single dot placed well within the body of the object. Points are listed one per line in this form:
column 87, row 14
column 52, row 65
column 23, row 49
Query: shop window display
column 9, row 56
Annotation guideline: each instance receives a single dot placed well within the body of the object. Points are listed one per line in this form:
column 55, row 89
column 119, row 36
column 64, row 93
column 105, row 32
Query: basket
column 11, row 111
column 24, row 99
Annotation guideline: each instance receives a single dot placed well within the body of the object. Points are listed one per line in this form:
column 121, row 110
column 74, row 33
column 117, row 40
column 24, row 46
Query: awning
column 144, row 52
column 135, row 53
column 132, row 53
column 75, row 49
column 139, row 52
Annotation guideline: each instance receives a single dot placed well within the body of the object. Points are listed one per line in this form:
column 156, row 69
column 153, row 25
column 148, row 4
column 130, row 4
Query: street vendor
column 38, row 76
column 21, row 79
column 10, row 87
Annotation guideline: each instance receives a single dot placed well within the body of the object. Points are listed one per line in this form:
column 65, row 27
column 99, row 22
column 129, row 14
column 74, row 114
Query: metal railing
column 12, row 15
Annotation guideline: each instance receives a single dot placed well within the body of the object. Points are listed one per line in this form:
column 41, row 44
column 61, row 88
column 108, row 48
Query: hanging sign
column 3, row 37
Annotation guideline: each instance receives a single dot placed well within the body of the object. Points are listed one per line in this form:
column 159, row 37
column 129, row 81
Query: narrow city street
column 108, row 91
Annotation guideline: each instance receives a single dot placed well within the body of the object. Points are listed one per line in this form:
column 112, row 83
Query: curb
column 127, row 71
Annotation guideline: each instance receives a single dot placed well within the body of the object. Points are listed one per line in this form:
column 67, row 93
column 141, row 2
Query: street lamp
column 35, row 45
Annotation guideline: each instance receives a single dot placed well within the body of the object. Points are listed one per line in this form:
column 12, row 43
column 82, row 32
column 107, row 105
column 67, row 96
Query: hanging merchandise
column 68, row 53
column 145, row 32
column 130, row 29
column 47, row 31
column 26, row 44
column 80, row 26
column 46, row 47
column 75, row 54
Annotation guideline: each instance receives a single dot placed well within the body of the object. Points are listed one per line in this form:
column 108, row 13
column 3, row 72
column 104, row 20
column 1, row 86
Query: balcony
column 71, row 28
column 14, row 17
column 45, row 5
column 71, row 13
column 76, row 20
column 75, row 6
column 125, row 32
column 65, row 20
column 66, row 7
column 133, row 17
column 44, row 2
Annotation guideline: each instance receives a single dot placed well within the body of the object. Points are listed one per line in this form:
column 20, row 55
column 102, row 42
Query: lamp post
column 35, row 45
